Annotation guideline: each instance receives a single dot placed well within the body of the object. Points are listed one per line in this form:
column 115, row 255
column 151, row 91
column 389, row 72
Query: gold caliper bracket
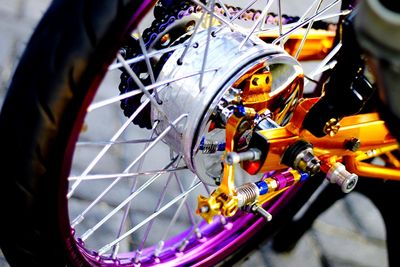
column 224, row 201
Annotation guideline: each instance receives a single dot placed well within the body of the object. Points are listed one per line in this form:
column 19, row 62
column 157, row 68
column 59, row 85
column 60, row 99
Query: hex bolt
column 300, row 156
column 353, row 144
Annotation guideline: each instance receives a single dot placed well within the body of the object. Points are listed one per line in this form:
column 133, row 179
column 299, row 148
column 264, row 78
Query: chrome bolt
column 257, row 209
column 233, row 157
column 204, row 209
column 338, row 174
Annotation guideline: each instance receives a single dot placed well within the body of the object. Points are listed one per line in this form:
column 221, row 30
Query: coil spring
column 247, row 194
column 210, row 147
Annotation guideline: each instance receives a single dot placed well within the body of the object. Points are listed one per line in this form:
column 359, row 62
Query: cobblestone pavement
column 350, row 233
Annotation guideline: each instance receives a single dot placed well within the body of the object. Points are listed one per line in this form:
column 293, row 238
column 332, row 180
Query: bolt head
column 353, row 144
column 332, row 127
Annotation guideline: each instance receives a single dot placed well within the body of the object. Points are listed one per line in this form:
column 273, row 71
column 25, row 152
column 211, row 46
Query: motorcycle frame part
column 367, row 128
column 346, row 92
column 316, row 47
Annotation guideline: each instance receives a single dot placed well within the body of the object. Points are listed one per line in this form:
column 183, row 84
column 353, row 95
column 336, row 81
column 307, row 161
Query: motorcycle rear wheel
column 41, row 121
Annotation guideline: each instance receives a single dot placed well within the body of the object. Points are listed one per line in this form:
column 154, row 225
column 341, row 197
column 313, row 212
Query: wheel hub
column 236, row 74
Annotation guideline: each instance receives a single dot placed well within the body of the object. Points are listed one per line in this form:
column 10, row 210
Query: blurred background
column 350, row 233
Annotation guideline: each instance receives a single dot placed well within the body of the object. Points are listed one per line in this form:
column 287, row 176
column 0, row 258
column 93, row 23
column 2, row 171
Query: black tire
column 65, row 59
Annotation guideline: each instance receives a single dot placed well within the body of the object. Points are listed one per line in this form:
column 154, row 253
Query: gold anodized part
column 332, row 127
column 223, row 201
column 257, row 89
column 316, row 47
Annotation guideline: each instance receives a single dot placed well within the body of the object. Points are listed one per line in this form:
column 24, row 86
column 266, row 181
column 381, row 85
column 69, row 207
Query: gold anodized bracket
column 223, row 201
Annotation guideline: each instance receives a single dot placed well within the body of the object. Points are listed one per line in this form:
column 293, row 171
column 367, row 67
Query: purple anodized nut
column 280, row 180
column 284, row 179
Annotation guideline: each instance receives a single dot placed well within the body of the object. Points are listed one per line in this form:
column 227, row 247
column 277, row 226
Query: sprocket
column 167, row 13
column 132, row 49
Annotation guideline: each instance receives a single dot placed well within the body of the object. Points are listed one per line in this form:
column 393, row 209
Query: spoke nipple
column 183, row 245
column 137, row 256
column 77, row 221
column 159, row 248
column 198, row 233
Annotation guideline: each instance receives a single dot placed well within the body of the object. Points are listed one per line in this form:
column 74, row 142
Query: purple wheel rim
column 217, row 243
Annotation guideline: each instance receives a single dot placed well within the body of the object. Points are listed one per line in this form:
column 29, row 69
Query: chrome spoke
column 220, row 18
column 189, row 44
column 103, row 143
column 257, row 22
column 312, row 18
column 150, row 55
column 280, row 19
column 292, row 25
column 80, row 217
column 185, row 241
column 303, row 40
column 158, row 85
column 238, row 14
column 151, row 217
column 124, row 175
column 90, row 231
column 136, row 79
column 204, row 63
column 188, row 210
column 324, row 64
column 106, row 148
column 304, row 17
column 148, row 65
column 228, row 14
column 128, row 206
column 157, row 208
column 112, row 100
column 172, row 222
